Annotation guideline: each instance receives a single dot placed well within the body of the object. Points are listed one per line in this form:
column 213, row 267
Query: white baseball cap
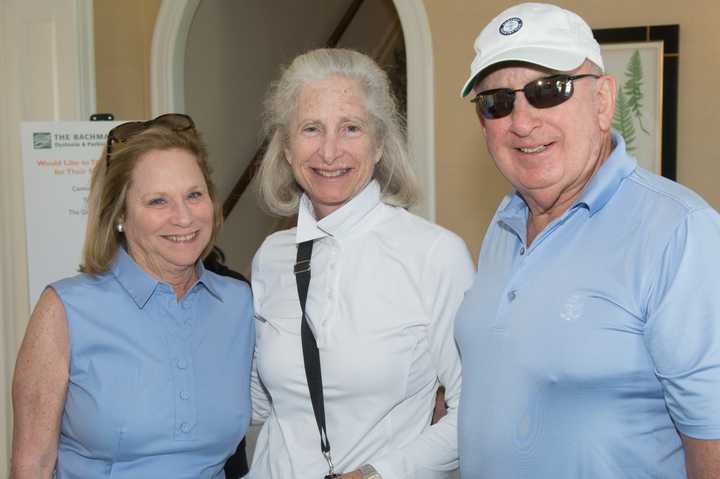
column 538, row 33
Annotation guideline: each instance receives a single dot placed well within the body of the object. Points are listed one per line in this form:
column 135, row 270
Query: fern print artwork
column 629, row 105
column 637, row 68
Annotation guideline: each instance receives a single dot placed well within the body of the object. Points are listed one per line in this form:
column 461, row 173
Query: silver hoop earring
column 119, row 228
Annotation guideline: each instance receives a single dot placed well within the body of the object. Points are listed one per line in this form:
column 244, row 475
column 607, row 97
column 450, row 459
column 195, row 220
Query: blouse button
column 185, row 427
column 185, row 395
column 182, row 364
column 512, row 295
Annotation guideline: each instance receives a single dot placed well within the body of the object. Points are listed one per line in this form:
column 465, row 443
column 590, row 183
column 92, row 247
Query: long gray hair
column 277, row 186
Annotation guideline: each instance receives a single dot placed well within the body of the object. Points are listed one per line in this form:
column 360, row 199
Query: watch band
column 369, row 472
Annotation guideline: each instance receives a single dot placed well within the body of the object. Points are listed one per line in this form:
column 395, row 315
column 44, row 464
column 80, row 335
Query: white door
column 46, row 73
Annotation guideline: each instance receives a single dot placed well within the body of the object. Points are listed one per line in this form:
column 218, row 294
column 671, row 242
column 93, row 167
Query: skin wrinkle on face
column 572, row 140
column 169, row 216
column 331, row 145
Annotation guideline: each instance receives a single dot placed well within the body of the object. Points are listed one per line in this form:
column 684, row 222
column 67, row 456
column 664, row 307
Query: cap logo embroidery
column 510, row 26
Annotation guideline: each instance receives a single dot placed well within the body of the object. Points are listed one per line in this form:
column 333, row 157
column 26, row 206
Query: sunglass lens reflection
column 495, row 105
column 549, row 92
column 543, row 93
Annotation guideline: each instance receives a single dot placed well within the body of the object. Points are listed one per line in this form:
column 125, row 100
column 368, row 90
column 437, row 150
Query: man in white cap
column 590, row 340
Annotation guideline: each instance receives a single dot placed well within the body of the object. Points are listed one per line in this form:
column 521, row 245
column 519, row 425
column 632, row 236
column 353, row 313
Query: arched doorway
column 168, row 90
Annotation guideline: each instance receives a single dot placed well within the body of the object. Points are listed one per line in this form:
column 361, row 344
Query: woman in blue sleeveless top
column 139, row 367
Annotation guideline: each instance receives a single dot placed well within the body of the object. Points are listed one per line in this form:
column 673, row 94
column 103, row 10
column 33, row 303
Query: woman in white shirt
column 384, row 290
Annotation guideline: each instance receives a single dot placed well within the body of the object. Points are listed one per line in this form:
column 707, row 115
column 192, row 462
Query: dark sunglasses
column 542, row 93
column 124, row 131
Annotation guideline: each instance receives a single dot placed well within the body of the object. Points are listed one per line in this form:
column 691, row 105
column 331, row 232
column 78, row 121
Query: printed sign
column 58, row 158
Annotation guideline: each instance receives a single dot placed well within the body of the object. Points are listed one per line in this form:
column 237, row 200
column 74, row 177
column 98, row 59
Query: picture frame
column 644, row 61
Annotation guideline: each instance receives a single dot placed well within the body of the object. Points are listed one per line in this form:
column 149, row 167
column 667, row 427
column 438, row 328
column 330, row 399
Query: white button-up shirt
column 384, row 289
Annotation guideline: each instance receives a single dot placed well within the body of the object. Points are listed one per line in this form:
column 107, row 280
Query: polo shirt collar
column 606, row 181
column 339, row 221
column 601, row 187
column 141, row 286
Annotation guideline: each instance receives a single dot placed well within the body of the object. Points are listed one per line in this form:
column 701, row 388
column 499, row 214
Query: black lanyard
column 311, row 354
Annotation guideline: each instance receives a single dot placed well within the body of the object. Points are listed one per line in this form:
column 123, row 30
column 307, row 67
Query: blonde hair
column 109, row 186
column 278, row 189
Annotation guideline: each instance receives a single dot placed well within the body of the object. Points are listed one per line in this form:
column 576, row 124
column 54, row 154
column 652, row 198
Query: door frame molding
column 66, row 50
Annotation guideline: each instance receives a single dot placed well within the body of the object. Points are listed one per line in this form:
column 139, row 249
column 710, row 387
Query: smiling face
column 331, row 148
column 550, row 154
column 169, row 214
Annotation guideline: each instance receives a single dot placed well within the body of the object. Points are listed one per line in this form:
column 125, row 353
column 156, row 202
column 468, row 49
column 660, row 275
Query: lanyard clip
column 331, row 467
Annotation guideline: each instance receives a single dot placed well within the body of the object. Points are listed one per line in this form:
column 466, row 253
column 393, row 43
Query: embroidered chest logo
column 573, row 308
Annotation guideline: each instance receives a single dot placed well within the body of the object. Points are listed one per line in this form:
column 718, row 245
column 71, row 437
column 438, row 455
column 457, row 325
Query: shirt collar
column 209, row 281
column 606, row 181
column 141, row 286
column 339, row 221
column 601, row 187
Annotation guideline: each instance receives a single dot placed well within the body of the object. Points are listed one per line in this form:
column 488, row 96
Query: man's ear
column 606, row 93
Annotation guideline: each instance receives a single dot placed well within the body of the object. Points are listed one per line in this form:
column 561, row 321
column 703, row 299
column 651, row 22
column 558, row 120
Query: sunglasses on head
column 124, row 131
column 542, row 93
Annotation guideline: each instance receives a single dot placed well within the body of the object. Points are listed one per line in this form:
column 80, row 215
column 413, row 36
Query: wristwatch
column 369, row 472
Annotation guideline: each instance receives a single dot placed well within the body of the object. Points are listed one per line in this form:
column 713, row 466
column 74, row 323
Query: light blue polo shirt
column 584, row 352
column 158, row 388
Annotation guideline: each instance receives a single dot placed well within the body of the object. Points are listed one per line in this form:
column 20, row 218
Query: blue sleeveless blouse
column 157, row 387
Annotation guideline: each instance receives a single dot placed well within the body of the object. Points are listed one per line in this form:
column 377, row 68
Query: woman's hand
column 352, row 475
